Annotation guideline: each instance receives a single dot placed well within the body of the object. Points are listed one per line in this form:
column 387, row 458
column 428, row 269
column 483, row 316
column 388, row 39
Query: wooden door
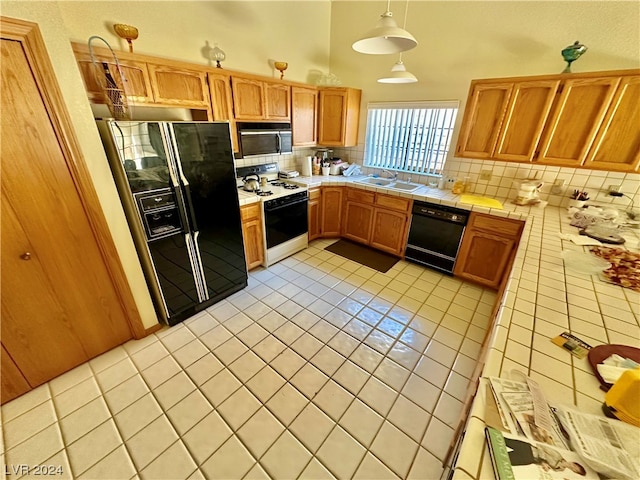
column 332, row 211
column 179, row 86
column 222, row 103
column 524, row 120
column 277, row 101
column 248, row 98
column 64, row 294
column 252, row 234
column 304, row 114
column 388, row 232
column 483, row 115
column 575, row 120
column 617, row 144
column 315, row 213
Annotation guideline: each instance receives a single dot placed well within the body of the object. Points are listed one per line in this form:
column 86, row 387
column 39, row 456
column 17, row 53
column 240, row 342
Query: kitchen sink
column 380, row 182
column 405, row 187
column 388, row 183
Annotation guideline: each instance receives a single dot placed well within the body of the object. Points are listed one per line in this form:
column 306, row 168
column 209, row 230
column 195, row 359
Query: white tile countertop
column 543, row 298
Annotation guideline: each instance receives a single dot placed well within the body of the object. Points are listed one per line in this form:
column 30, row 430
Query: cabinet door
column 576, row 118
column 332, row 211
column 304, row 111
column 315, row 213
column 137, row 85
column 389, row 231
column 252, row 234
column 617, row 144
column 482, row 257
column 277, row 101
column 248, row 98
column 222, row 103
column 483, row 114
column 60, row 305
column 177, row 86
column 358, row 218
column 524, row 120
column 339, row 115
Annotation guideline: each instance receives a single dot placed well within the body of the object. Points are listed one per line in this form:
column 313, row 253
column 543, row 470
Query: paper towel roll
column 306, row 167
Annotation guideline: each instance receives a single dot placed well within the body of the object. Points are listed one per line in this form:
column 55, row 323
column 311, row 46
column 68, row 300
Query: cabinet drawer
column 314, row 194
column 396, row 203
column 250, row 212
column 500, row 226
column 357, row 195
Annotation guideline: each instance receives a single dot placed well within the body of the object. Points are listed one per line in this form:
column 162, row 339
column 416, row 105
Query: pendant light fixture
column 399, row 72
column 386, row 37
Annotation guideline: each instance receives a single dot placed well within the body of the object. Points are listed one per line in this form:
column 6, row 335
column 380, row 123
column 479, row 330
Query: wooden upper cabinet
column 574, row 120
column 524, row 120
column 248, row 98
column 482, row 119
column 222, row 102
column 257, row 100
column 277, row 101
column 338, row 116
column 304, row 114
column 617, row 143
column 179, row 86
column 577, row 116
column 137, row 85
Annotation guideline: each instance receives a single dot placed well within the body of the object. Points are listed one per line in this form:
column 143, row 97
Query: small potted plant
column 578, row 199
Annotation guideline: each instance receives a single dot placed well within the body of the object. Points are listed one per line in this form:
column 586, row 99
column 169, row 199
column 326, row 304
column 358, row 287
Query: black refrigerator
column 177, row 184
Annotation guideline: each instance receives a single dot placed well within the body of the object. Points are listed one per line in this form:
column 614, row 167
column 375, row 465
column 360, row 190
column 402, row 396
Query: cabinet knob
column 26, row 256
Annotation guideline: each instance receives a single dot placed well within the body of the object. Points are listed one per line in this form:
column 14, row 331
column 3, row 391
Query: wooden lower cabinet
column 358, row 220
column 487, row 249
column 252, row 233
column 389, row 231
column 331, row 211
column 315, row 213
column 376, row 219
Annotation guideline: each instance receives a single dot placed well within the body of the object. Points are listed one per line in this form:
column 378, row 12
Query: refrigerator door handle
column 194, row 267
column 183, row 179
column 203, row 279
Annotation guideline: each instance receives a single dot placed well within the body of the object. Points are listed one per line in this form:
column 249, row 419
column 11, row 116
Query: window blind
column 409, row 136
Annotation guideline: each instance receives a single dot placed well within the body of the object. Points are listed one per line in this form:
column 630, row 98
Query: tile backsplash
column 504, row 176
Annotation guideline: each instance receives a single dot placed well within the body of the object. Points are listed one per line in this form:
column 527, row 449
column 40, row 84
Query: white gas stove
column 284, row 208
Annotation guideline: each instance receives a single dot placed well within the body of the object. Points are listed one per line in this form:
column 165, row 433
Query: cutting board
column 480, row 201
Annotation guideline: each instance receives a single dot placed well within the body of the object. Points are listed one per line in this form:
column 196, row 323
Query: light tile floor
column 321, row 368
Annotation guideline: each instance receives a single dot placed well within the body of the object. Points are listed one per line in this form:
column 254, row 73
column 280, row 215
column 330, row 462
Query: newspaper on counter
column 609, row 446
column 525, row 412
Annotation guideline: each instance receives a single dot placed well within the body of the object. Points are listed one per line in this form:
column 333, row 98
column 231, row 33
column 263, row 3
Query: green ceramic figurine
column 572, row 53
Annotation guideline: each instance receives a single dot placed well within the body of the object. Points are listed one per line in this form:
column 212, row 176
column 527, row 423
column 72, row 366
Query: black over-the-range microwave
column 264, row 138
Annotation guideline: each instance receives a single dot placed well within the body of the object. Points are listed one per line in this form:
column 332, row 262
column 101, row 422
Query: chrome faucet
column 393, row 175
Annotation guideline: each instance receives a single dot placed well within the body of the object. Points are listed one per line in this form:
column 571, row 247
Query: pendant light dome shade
column 399, row 74
column 385, row 38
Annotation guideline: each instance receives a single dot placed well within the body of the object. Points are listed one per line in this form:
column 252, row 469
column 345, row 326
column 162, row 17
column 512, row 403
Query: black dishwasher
column 435, row 235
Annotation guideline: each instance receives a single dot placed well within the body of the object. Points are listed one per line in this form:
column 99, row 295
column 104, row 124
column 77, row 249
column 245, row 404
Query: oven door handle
column 280, row 207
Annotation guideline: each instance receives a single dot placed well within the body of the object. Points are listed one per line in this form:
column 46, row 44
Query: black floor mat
column 367, row 256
